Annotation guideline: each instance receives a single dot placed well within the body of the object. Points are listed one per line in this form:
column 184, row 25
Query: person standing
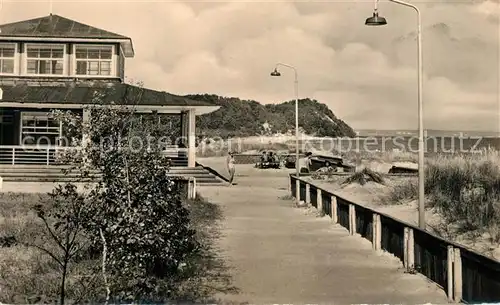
column 230, row 167
column 305, row 163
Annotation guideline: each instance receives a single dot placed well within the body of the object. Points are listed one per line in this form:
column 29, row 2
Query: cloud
column 489, row 8
column 366, row 75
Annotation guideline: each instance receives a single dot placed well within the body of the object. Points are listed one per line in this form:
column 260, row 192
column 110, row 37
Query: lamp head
column 275, row 72
column 375, row 20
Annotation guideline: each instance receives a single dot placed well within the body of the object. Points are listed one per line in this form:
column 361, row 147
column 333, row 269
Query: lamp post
column 296, row 88
column 376, row 20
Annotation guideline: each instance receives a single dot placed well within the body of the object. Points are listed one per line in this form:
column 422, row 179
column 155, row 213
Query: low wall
column 185, row 186
column 254, row 158
column 465, row 275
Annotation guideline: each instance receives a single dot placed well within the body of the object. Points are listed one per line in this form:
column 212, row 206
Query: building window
column 45, row 59
column 93, row 60
column 39, row 128
column 7, row 58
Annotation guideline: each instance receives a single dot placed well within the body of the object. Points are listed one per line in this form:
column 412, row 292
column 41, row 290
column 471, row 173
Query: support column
column 191, row 138
column 184, row 128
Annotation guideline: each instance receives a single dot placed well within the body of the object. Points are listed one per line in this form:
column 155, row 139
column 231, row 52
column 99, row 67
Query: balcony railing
column 48, row 155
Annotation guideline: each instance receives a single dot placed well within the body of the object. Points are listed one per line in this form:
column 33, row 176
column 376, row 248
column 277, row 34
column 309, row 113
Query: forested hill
column 240, row 118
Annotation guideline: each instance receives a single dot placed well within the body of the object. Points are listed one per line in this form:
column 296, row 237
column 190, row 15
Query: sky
column 366, row 75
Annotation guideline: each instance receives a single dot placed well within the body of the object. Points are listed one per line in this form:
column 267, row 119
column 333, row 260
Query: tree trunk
column 63, row 281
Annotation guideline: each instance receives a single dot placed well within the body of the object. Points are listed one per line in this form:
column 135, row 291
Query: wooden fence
column 465, row 275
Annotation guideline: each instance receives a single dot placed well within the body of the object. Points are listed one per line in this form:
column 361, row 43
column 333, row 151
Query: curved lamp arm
column 406, row 4
column 289, row 66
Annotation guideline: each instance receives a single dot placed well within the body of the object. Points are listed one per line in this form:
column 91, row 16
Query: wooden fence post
column 297, row 190
column 319, row 200
column 411, row 250
column 335, row 216
column 374, row 231
column 457, row 275
column 352, row 219
column 451, row 258
column 379, row 233
column 405, row 248
column 308, row 193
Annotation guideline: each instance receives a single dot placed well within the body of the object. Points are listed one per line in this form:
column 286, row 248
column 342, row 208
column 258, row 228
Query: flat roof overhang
column 199, row 110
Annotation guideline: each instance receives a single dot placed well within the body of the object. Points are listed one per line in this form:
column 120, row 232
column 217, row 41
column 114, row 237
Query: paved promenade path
column 281, row 254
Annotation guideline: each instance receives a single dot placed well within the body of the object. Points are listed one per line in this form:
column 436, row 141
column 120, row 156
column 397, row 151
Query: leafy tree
column 138, row 218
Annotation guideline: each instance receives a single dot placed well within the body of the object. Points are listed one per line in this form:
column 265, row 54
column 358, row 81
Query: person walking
column 230, row 167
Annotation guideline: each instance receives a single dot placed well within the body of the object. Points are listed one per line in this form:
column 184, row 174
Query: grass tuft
column 402, row 193
column 364, row 176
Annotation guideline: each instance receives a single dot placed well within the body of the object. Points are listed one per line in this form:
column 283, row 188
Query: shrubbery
column 127, row 237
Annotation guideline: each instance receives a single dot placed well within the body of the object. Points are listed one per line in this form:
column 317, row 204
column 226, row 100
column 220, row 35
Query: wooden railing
column 465, row 275
column 47, row 155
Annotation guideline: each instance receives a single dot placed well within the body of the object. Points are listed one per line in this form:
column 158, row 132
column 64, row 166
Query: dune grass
column 402, row 193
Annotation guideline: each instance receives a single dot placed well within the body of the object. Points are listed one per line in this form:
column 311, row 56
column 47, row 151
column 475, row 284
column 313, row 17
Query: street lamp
column 376, row 20
column 296, row 87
